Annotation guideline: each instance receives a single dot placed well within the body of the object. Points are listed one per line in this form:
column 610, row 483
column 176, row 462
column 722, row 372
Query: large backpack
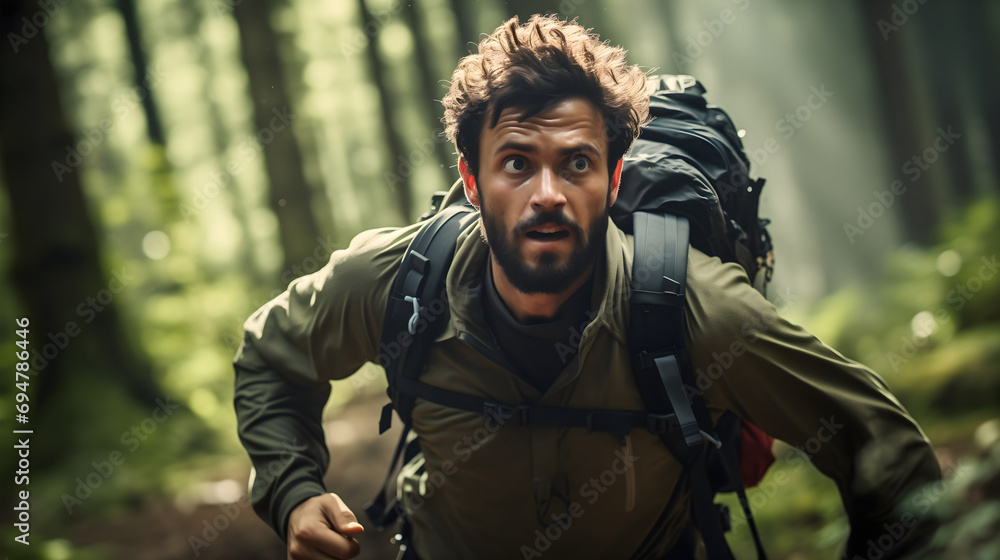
column 686, row 181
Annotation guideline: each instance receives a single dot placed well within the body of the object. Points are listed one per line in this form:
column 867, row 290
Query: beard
column 548, row 276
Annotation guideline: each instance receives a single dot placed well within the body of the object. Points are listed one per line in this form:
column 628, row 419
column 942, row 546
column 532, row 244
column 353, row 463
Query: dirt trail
column 161, row 531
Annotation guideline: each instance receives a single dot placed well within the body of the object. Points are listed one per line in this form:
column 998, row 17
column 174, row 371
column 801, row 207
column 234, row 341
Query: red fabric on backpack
column 755, row 454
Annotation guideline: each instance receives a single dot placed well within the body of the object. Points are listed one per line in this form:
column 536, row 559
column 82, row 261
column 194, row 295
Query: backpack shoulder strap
column 408, row 332
column 663, row 371
column 656, row 323
column 407, row 329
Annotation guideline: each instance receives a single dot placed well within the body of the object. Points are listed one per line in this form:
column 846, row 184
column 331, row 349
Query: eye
column 515, row 165
column 579, row 164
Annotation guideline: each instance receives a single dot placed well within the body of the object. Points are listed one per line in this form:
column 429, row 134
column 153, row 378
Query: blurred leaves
column 193, row 221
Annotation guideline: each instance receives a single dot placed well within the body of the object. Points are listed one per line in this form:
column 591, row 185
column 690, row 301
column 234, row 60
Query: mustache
column 554, row 217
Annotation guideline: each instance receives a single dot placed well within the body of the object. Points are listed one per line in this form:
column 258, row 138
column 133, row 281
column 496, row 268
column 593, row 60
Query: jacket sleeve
column 323, row 327
column 838, row 413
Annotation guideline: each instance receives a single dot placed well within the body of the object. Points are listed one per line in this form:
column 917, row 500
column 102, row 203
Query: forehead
column 571, row 121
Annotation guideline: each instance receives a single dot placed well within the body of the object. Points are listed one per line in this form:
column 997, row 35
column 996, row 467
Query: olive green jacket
column 489, row 488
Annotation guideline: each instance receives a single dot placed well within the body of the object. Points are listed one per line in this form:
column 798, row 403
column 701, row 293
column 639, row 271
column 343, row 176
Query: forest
column 169, row 166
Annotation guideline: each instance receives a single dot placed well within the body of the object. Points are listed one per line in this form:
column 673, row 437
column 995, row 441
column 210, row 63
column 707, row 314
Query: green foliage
column 936, row 346
column 54, row 549
column 797, row 511
column 931, row 327
column 970, row 511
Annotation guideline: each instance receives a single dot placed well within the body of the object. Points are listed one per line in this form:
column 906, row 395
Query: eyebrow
column 528, row 148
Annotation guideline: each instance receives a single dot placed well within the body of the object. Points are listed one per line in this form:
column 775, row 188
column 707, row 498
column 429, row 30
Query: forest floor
column 162, row 531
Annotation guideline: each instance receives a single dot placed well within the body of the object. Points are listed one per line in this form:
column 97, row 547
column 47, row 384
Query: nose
column 547, row 194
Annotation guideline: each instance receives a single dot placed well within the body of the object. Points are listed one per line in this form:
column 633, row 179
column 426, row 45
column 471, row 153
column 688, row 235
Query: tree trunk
column 400, row 182
column 221, row 138
column 905, row 123
column 162, row 176
column 984, row 47
column 524, row 9
column 467, row 32
column 952, row 88
column 290, row 196
column 429, row 90
column 154, row 127
column 72, row 305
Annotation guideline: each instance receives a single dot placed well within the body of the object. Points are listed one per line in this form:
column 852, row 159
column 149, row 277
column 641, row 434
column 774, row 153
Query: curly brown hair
column 532, row 66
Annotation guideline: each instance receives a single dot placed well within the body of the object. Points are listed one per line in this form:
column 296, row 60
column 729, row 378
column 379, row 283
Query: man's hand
column 321, row 528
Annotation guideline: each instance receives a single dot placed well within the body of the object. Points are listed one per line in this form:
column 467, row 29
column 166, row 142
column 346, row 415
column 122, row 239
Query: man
column 542, row 116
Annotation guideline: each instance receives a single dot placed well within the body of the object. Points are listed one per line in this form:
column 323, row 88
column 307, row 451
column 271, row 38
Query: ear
column 616, row 178
column 469, row 182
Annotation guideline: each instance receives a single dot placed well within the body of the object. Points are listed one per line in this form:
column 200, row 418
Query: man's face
column 543, row 192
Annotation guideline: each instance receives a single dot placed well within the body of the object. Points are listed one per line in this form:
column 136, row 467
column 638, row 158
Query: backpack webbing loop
column 426, row 266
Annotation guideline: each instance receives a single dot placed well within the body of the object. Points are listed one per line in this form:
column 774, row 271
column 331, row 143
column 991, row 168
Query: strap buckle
column 603, row 421
column 660, row 423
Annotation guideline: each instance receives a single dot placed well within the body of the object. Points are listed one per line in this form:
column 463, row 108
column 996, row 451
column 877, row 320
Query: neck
column 524, row 306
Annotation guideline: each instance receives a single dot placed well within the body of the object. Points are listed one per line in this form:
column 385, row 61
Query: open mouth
column 547, row 234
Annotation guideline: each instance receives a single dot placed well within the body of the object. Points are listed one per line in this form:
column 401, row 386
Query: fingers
column 341, row 517
column 320, row 528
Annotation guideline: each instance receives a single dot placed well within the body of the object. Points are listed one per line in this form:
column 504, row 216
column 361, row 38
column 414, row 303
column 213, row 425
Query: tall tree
column 154, row 126
column 401, row 182
column 523, row 9
column 430, row 91
column 161, row 173
column 945, row 53
column 290, row 195
column 465, row 21
column 220, row 136
column 905, row 121
column 979, row 22
column 72, row 304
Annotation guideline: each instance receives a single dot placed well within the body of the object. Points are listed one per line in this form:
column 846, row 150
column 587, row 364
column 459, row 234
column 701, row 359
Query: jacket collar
column 610, row 296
